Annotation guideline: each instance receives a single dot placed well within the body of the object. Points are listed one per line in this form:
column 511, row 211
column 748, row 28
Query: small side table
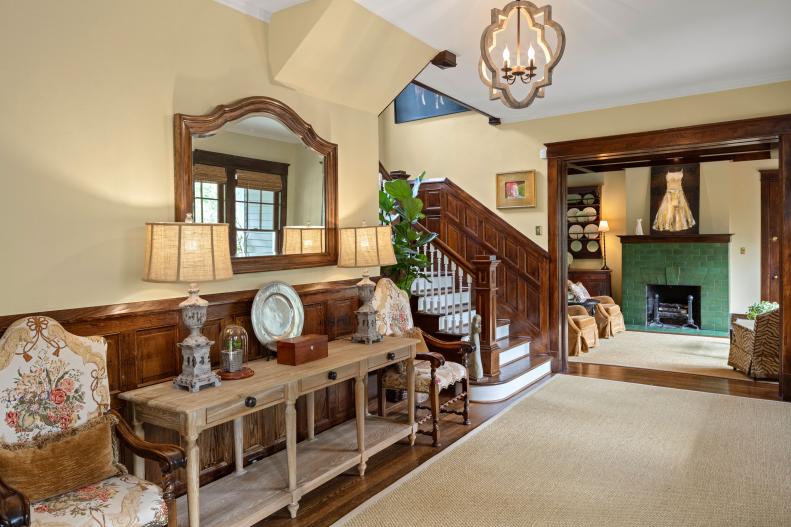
column 589, row 305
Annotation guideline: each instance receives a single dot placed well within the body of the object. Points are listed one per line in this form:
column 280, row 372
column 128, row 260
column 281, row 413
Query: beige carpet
column 591, row 452
column 664, row 351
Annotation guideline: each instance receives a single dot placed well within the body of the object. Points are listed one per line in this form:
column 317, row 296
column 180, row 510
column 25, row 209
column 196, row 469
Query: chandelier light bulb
column 531, row 53
column 506, row 55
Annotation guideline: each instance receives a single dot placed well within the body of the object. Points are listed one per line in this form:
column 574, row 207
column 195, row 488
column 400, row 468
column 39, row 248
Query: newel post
column 486, row 307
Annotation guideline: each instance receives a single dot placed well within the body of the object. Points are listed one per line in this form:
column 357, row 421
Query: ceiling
column 263, row 126
column 618, row 52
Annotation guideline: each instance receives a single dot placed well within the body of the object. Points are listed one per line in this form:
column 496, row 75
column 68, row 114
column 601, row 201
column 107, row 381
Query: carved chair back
column 50, row 380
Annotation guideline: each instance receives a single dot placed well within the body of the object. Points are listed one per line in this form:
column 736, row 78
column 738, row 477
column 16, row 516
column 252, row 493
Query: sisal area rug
column 663, row 351
column 590, row 452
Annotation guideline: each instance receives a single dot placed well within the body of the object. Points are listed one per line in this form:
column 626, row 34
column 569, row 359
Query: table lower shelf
column 244, row 499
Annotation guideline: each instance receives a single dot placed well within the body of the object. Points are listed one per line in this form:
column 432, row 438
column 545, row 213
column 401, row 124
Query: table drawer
column 314, row 382
column 245, row 404
column 374, row 363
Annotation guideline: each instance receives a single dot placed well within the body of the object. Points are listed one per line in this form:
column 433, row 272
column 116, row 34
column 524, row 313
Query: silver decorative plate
column 277, row 313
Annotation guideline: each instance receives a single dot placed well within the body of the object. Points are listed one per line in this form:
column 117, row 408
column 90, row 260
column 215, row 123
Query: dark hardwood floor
column 343, row 494
column 683, row 381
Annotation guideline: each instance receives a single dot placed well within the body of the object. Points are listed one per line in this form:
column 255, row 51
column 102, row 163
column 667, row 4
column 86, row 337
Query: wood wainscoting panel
column 141, row 349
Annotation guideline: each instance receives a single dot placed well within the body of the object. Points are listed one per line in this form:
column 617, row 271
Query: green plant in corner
column 759, row 308
column 400, row 208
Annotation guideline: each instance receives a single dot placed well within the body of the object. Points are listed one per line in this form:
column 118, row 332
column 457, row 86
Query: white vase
column 638, row 230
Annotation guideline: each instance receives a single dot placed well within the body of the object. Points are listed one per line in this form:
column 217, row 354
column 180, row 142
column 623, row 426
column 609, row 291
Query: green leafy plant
column 400, row 207
column 759, row 308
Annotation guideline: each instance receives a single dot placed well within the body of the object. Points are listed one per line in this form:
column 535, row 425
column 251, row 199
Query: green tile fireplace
column 686, row 263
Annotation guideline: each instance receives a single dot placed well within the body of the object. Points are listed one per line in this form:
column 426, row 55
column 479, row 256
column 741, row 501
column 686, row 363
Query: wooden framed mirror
column 258, row 166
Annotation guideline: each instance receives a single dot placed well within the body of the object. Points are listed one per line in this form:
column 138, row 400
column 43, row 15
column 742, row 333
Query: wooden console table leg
column 140, row 463
column 410, row 395
column 310, row 399
column 291, row 446
column 238, row 444
column 360, row 404
column 193, row 479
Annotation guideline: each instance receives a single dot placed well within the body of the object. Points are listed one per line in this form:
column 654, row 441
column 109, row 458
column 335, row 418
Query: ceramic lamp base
column 196, row 371
column 366, row 314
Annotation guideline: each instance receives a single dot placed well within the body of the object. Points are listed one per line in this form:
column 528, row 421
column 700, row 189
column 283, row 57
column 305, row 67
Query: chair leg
column 380, row 393
column 465, row 384
column 434, row 394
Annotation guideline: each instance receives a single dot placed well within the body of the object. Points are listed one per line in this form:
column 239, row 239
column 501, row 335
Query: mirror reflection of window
column 260, row 178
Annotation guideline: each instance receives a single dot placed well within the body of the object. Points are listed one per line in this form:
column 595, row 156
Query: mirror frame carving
column 185, row 126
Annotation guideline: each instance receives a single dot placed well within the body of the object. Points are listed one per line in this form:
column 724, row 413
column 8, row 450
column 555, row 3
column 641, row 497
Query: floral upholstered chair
column 59, row 440
column 439, row 364
column 583, row 333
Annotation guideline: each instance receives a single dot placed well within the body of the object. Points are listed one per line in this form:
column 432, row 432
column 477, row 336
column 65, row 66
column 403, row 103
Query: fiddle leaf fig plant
column 400, row 208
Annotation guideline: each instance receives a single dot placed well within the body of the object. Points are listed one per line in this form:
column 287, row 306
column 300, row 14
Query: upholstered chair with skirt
column 439, row 364
column 60, row 442
column 583, row 333
column 755, row 346
column 609, row 318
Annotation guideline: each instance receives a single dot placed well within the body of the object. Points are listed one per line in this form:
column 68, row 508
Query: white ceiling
column 618, row 52
column 263, row 126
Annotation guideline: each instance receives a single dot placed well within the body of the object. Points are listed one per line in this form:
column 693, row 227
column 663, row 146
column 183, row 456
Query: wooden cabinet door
column 771, row 225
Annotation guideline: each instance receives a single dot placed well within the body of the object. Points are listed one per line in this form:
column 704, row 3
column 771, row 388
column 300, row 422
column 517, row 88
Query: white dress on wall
column 674, row 213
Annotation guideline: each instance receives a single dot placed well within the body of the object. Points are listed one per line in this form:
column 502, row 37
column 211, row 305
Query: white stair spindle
column 469, row 311
column 434, row 278
column 460, row 322
column 453, row 302
column 445, row 289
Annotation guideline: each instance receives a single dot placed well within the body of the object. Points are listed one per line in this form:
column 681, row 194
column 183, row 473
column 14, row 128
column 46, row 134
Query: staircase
column 444, row 304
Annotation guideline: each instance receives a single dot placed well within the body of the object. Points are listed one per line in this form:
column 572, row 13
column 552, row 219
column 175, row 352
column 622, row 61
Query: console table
column 254, row 492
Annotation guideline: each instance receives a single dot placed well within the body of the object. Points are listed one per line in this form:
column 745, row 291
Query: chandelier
column 516, row 83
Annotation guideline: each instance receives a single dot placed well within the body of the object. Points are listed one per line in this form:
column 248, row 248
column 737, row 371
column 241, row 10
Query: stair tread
column 514, row 369
column 510, row 342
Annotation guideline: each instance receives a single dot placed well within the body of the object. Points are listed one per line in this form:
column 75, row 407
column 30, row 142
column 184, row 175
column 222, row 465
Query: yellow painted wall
column 89, row 89
column 464, row 148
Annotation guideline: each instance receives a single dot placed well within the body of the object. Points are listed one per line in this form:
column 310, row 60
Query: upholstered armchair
column 755, row 346
column 583, row 333
column 439, row 364
column 60, row 442
column 609, row 318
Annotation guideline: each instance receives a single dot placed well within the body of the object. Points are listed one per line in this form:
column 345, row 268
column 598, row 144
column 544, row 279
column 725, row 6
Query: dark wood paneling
column 470, row 229
column 142, row 350
column 771, row 232
column 598, row 282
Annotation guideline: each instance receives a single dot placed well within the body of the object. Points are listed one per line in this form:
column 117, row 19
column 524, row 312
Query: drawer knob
column 332, row 375
column 390, row 355
column 250, row 402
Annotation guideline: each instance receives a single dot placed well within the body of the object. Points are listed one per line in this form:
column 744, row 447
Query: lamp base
column 196, row 371
column 366, row 315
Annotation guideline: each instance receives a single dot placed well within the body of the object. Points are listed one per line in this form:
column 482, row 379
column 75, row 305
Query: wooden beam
column 444, row 59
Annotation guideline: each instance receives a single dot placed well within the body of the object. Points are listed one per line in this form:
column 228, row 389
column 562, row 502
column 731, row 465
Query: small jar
column 233, row 353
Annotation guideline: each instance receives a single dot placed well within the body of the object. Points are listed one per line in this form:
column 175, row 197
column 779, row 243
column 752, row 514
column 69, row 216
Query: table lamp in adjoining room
column 190, row 253
column 303, row 239
column 365, row 247
column 604, row 228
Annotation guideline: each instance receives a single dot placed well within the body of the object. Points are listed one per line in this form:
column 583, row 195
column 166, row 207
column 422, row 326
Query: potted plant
column 759, row 308
column 400, row 207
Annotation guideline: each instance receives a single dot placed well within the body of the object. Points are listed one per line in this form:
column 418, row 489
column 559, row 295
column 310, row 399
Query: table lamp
column 303, row 239
column 365, row 247
column 604, row 227
column 190, row 252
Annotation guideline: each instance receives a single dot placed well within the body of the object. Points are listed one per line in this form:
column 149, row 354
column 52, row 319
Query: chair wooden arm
column 452, row 350
column 170, row 457
column 435, row 359
column 14, row 507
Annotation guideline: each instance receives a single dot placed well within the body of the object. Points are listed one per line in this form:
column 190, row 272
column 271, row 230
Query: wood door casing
column 771, row 231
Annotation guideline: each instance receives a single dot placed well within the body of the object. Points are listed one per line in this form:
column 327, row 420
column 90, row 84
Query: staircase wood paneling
column 471, row 229
column 141, row 347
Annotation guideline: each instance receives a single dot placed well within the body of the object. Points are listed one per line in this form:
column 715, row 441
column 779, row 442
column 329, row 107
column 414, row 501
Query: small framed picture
column 516, row 189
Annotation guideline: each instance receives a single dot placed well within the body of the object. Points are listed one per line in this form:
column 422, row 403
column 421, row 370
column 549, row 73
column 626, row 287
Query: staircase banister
column 501, row 223
column 450, row 253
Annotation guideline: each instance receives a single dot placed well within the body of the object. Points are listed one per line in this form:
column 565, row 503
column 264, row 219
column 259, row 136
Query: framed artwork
column 675, row 199
column 417, row 102
column 516, row 189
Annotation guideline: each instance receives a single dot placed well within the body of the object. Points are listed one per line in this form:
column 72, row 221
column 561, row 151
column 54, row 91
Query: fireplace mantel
column 678, row 238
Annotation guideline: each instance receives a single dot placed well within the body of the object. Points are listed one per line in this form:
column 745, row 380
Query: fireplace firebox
column 673, row 306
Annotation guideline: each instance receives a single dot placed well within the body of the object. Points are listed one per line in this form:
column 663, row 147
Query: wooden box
column 302, row 349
